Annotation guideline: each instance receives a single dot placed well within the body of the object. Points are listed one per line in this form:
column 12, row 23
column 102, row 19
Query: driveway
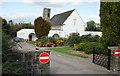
column 65, row 64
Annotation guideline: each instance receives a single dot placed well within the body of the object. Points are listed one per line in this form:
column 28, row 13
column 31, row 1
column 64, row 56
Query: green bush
column 10, row 55
column 81, row 46
column 66, row 41
column 45, row 39
column 74, row 38
column 90, row 38
column 52, row 40
column 87, row 47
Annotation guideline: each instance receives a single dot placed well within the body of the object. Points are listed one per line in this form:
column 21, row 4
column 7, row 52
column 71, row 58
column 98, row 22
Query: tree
column 91, row 26
column 16, row 27
column 1, row 24
column 110, row 22
column 5, row 26
column 10, row 22
column 42, row 27
column 9, row 56
column 27, row 25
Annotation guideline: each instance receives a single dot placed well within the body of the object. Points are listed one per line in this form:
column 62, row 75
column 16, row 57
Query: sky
column 28, row 10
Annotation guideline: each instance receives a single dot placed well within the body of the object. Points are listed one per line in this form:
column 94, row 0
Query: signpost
column 117, row 52
column 44, row 58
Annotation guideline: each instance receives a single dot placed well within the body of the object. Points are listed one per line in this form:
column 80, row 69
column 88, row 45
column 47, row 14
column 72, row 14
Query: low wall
column 93, row 33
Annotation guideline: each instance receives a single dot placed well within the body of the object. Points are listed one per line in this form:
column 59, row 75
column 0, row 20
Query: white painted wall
column 93, row 33
column 33, row 37
column 70, row 27
column 59, row 32
column 24, row 33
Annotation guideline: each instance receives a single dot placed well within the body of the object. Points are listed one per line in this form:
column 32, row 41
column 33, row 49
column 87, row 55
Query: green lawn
column 64, row 51
column 31, row 42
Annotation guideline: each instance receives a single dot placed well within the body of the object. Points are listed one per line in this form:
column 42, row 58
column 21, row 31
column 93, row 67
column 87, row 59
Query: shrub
column 59, row 42
column 65, row 40
column 87, row 47
column 90, row 38
column 9, row 56
column 52, row 40
column 43, row 39
column 81, row 46
column 38, row 44
column 74, row 38
column 50, row 45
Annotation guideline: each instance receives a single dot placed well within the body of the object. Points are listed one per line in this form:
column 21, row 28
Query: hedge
column 87, row 47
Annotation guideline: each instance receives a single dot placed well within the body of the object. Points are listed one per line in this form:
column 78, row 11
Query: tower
column 46, row 14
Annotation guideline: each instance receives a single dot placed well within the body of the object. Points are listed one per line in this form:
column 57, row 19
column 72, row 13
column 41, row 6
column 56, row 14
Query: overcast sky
column 29, row 10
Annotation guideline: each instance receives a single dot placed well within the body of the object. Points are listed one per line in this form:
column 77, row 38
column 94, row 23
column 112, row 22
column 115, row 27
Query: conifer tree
column 110, row 22
column 42, row 27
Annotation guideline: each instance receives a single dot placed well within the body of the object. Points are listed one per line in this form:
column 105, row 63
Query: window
column 48, row 14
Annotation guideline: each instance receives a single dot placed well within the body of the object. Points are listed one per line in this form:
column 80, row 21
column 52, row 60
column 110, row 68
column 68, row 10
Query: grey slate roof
column 59, row 19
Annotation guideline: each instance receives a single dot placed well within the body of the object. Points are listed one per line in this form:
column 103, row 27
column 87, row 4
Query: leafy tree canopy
column 42, row 27
column 91, row 26
column 110, row 22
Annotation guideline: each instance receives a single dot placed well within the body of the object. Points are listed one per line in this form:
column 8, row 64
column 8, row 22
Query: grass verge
column 31, row 42
column 64, row 51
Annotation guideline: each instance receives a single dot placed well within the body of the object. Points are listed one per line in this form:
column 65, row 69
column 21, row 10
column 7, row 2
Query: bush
column 66, row 41
column 43, row 39
column 50, row 45
column 90, row 38
column 87, row 47
column 38, row 44
column 74, row 38
column 59, row 42
column 9, row 56
column 52, row 40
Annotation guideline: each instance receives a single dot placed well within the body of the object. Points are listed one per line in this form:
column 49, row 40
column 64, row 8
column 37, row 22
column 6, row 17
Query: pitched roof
column 59, row 19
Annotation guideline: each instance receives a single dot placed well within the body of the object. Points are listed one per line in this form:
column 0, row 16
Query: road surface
column 65, row 64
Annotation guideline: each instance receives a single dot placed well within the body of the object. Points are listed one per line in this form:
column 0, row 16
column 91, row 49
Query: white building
column 67, row 22
column 28, row 34
column 62, row 25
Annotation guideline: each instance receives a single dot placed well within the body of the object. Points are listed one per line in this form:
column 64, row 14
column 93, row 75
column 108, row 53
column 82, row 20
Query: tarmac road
column 65, row 64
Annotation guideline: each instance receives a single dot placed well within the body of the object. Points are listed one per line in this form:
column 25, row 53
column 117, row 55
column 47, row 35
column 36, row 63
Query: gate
column 101, row 57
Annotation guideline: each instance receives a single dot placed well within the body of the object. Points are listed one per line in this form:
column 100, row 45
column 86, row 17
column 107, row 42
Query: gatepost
column 42, row 62
column 115, row 60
